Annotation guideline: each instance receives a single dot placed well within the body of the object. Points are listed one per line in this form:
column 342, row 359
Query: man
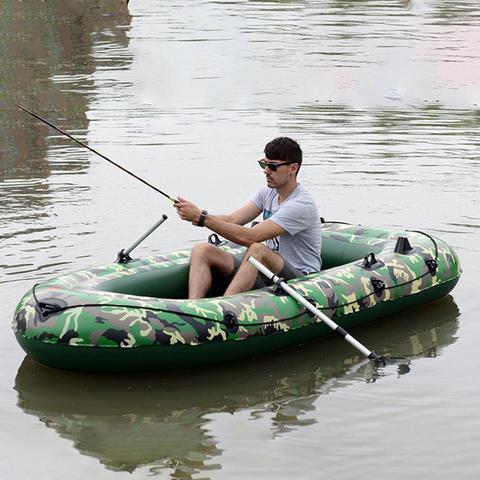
column 290, row 227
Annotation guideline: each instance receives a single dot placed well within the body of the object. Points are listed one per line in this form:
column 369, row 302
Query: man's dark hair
column 285, row 149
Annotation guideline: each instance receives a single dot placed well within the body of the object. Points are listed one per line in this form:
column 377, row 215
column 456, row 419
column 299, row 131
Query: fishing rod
column 38, row 117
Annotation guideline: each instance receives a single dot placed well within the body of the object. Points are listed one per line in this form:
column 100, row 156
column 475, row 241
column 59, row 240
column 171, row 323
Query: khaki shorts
column 288, row 273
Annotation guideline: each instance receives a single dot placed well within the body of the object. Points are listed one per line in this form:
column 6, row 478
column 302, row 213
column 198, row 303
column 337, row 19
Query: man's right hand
column 187, row 210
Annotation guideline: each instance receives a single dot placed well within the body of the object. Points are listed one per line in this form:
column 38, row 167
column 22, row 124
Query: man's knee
column 201, row 248
column 212, row 256
column 257, row 250
column 266, row 256
column 202, row 252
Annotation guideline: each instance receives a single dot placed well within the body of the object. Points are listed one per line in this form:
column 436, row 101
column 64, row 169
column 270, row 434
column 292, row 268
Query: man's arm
column 243, row 235
column 191, row 213
column 243, row 215
column 230, row 226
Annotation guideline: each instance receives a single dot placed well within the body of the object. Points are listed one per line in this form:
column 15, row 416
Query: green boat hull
column 113, row 319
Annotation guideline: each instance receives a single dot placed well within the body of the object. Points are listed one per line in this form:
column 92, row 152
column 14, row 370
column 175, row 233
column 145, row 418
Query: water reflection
column 159, row 421
column 454, row 12
column 50, row 52
column 48, row 63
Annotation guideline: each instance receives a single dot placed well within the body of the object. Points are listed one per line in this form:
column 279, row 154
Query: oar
column 124, row 255
column 303, row 301
column 172, row 199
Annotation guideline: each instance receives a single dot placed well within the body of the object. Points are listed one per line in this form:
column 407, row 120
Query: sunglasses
column 272, row 166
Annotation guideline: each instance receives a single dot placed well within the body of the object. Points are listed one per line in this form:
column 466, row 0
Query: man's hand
column 187, row 210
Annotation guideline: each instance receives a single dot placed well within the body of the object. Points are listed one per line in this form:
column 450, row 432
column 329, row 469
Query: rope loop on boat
column 45, row 308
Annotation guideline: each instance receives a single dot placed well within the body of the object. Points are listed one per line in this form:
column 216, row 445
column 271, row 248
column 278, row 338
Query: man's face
column 277, row 172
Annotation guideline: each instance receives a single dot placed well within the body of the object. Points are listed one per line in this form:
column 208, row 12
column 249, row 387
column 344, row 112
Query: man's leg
column 245, row 278
column 206, row 258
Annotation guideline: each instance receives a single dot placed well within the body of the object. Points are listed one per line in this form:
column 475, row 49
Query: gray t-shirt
column 301, row 243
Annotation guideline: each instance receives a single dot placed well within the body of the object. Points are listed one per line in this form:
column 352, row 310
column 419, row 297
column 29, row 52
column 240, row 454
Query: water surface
column 383, row 98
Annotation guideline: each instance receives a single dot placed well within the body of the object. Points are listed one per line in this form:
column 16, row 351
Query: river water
column 383, row 98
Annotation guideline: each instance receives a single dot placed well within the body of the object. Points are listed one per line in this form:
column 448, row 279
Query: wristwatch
column 201, row 220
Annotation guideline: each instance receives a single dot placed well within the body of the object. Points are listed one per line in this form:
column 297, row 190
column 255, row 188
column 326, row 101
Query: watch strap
column 201, row 220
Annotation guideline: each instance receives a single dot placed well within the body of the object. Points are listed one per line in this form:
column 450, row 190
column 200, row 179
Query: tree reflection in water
column 48, row 59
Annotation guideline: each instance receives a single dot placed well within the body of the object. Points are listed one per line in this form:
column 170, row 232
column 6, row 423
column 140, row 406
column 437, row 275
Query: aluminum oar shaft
column 303, row 301
column 145, row 235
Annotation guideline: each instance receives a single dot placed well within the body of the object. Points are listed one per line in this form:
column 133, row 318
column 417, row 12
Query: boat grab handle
column 370, row 262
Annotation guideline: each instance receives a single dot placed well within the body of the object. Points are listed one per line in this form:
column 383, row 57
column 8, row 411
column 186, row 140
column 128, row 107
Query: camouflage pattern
column 129, row 321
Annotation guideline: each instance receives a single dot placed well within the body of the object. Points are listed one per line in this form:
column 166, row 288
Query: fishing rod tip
column 25, row 109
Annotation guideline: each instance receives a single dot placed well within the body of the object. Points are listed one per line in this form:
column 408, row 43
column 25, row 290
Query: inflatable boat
column 134, row 316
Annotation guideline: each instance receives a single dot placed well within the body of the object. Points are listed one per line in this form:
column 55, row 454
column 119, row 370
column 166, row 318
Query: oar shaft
column 303, row 301
column 38, row 117
column 145, row 235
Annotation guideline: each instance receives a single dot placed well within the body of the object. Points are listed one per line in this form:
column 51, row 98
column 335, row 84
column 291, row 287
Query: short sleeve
column 295, row 216
column 259, row 198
